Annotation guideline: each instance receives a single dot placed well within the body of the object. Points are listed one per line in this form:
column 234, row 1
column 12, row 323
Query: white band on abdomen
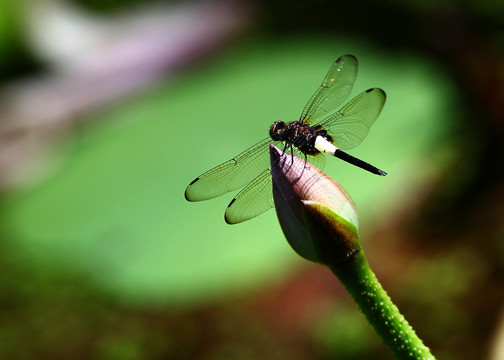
column 323, row 145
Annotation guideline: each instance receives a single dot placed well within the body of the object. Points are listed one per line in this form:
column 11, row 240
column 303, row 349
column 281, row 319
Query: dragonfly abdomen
column 358, row 162
column 327, row 147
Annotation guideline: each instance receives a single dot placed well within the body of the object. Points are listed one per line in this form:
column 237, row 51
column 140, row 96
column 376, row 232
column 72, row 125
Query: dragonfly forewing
column 334, row 90
column 230, row 175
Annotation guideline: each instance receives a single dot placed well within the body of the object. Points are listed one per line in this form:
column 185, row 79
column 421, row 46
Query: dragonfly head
column 277, row 129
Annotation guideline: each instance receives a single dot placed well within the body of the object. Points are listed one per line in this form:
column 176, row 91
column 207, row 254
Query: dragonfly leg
column 289, row 148
column 285, row 147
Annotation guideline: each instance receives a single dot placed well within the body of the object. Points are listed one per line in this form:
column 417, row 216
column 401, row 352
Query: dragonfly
column 323, row 127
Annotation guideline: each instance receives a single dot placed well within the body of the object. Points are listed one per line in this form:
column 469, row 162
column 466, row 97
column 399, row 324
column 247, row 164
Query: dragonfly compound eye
column 276, row 130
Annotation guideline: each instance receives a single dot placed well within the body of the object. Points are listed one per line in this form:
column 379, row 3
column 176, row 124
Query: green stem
column 380, row 311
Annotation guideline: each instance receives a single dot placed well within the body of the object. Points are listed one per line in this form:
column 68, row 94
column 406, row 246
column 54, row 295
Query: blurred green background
column 109, row 109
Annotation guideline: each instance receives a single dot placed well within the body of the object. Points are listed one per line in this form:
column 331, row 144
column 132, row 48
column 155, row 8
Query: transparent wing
column 257, row 196
column 335, row 89
column 350, row 125
column 253, row 200
column 231, row 175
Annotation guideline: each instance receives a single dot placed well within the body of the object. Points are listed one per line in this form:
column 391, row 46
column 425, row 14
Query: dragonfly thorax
column 298, row 134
